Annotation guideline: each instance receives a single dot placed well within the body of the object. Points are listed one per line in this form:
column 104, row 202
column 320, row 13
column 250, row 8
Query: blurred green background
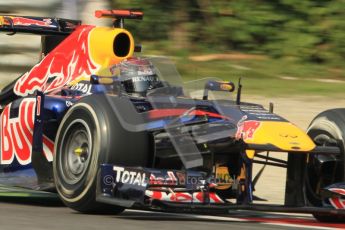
column 279, row 47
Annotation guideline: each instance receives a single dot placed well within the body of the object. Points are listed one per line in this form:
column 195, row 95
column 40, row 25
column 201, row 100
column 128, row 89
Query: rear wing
column 37, row 25
column 58, row 26
column 51, row 29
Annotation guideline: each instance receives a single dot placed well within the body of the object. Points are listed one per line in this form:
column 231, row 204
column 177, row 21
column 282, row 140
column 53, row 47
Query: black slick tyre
column 327, row 129
column 90, row 134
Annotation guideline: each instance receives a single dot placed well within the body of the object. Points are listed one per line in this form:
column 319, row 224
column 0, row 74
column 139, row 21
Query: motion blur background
column 280, row 47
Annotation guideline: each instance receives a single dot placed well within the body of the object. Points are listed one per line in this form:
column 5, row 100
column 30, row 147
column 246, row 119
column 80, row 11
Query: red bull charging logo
column 246, row 129
column 64, row 64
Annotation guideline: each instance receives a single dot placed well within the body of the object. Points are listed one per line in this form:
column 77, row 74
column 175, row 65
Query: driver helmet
column 137, row 76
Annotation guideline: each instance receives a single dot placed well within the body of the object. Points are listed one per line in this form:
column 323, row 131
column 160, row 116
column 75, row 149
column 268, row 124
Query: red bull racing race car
column 109, row 131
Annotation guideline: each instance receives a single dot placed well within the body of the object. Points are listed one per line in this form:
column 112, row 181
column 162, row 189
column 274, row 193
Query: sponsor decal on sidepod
column 17, row 134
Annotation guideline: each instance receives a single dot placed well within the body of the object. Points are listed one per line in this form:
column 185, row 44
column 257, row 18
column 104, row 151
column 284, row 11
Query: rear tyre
column 90, row 134
column 327, row 129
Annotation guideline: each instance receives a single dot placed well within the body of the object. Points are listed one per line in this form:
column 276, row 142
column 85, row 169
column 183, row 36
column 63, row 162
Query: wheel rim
column 75, row 149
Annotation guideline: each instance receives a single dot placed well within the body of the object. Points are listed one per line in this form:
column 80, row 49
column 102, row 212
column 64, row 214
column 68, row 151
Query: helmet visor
column 140, row 84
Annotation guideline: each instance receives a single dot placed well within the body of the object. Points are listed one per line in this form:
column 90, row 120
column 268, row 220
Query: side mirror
column 100, row 80
column 218, row 86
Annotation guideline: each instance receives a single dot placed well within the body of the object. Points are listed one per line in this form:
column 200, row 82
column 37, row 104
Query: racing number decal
column 17, row 134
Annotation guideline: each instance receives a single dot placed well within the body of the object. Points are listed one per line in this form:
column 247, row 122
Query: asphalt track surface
column 49, row 214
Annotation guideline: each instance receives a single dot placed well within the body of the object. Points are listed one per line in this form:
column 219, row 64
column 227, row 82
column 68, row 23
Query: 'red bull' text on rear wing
column 37, row 25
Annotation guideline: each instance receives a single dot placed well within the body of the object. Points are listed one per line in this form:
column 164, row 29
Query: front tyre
column 90, row 134
column 327, row 129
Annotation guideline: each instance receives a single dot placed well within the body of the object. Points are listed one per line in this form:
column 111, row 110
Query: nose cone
column 282, row 135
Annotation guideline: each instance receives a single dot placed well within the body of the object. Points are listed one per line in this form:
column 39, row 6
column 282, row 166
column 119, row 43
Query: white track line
column 234, row 219
column 299, row 226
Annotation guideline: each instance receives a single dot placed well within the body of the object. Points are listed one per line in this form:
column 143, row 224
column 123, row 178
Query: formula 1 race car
column 109, row 131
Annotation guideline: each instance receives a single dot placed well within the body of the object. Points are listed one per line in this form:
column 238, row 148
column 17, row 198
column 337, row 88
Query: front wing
column 176, row 191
